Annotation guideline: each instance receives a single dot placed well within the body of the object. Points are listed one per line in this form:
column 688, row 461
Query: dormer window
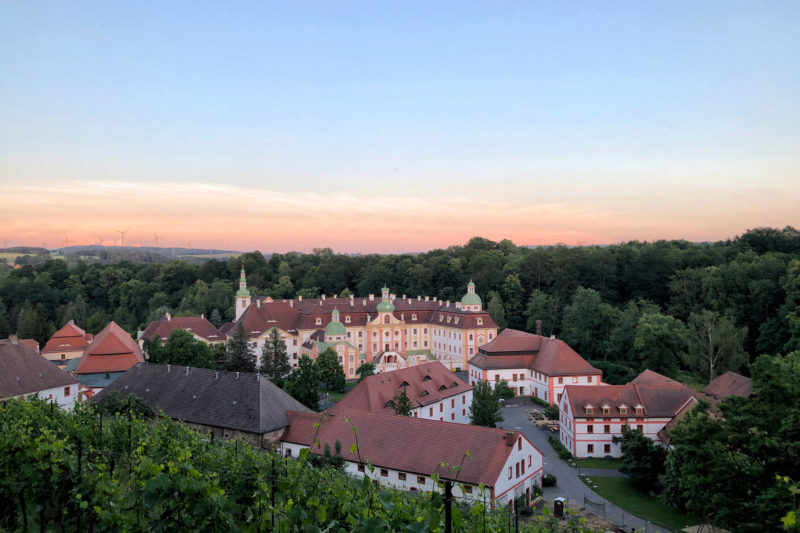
column 318, row 321
column 423, row 393
column 456, row 320
column 347, row 319
column 448, row 319
column 605, row 410
column 442, row 387
column 590, row 410
column 413, row 316
column 404, row 384
column 454, row 384
column 426, row 378
column 623, row 410
column 390, row 403
column 639, row 410
column 480, row 321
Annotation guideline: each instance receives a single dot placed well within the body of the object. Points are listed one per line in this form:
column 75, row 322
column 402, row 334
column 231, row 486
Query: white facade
column 64, row 396
column 521, row 472
column 526, row 382
column 586, row 436
column 452, row 409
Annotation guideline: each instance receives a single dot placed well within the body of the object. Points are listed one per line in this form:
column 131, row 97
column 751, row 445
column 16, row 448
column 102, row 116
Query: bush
column 549, row 480
column 539, row 401
column 560, row 449
column 551, row 412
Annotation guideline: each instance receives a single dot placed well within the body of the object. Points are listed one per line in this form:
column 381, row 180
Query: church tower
column 242, row 295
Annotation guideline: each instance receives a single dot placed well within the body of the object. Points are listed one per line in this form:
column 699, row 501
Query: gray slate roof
column 233, row 400
column 23, row 371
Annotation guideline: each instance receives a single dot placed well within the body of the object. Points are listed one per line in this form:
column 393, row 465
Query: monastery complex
column 388, row 331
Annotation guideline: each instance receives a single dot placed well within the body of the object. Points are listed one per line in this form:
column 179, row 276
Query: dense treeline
column 671, row 306
column 96, row 470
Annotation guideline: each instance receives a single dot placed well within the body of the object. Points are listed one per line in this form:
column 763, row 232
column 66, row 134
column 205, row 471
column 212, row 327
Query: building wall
column 526, row 382
column 576, row 437
column 64, row 396
column 62, row 357
column 451, row 409
column 521, row 473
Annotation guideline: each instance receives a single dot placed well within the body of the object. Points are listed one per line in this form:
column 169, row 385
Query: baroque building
column 390, row 332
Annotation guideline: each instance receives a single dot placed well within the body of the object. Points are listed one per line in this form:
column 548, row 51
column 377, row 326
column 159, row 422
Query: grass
column 622, row 493
column 612, row 464
column 336, row 396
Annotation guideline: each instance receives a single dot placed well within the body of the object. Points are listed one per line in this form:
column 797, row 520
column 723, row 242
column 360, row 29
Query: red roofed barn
column 505, row 462
column 532, row 365
column 112, row 352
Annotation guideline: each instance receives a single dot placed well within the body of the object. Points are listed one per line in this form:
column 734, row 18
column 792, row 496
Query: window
column 452, row 416
column 606, row 448
column 519, row 443
column 497, row 377
column 605, row 410
column 360, row 468
column 639, row 411
column 607, row 428
column 441, row 407
column 516, row 470
column 574, row 379
column 480, row 323
column 513, row 377
column 467, row 489
column 63, row 357
column 559, row 397
column 421, row 480
column 640, row 428
column 589, row 410
column 401, row 476
column 522, row 464
column 66, row 391
column 623, row 410
column 463, row 412
column 588, row 379
column 560, row 381
column 529, row 460
column 318, row 321
column 509, row 473
column 360, row 334
column 430, row 413
column 288, row 452
column 384, row 472
column 464, row 399
column 590, row 448
column 590, row 428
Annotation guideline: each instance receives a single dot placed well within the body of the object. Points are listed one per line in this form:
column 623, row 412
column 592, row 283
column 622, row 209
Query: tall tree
column 485, row 407
column 541, row 306
column 32, row 323
column 715, row 344
column 642, row 459
column 274, row 358
column 183, row 349
column 303, row 383
column 331, row 372
column 401, row 403
column 495, row 309
column 239, row 357
column 513, row 295
column 3, row 320
column 587, row 323
column 660, row 342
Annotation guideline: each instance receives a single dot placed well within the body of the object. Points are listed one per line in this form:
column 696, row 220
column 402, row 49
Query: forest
column 688, row 310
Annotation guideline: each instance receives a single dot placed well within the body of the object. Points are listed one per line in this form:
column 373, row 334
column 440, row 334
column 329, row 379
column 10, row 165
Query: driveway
column 569, row 485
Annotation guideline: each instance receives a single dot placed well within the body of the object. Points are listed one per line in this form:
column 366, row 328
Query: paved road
column 569, row 485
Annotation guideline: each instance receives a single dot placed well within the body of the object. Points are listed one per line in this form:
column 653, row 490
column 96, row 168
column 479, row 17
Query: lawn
column 336, row 396
column 622, row 493
column 612, row 464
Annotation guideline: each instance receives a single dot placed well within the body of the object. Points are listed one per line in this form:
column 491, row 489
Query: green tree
column 642, row 459
column 620, row 345
column 183, row 349
column 715, row 344
column 239, row 357
column 401, row 403
column 587, row 323
column 32, row 323
column 283, row 288
column 97, row 321
column 659, row 343
column 485, row 407
column 4, row 325
column 513, row 295
column 541, row 306
column 331, row 372
column 274, row 358
column 495, row 309
column 502, row 390
column 303, row 383
column 365, row 370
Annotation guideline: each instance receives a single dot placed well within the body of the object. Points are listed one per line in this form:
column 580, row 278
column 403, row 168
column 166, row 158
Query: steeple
column 242, row 295
column 471, row 301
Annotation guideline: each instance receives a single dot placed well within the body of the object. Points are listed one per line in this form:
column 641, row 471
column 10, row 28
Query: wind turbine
column 67, row 240
column 100, row 240
column 122, row 234
column 156, row 238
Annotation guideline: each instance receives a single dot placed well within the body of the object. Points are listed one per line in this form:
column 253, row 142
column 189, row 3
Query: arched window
column 386, row 319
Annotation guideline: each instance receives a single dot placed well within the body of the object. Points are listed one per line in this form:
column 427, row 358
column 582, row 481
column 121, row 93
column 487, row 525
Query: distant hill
column 113, row 254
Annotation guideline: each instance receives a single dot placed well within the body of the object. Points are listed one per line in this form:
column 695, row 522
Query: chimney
column 169, row 316
column 510, row 438
column 552, row 337
column 291, row 303
column 404, row 297
column 371, row 297
column 237, row 376
column 323, row 297
column 539, row 327
column 216, row 376
column 299, row 297
column 427, row 298
column 71, row 321
column 334, row 296
column 258, row 304
column 202, row 315
column 13, row 339
column 364, row 301
column 169, row 367
column 448, row 303
column 187, row 370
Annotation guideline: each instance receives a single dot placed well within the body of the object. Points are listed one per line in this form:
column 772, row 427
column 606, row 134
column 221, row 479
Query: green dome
column 242, row 293
column 471, row 299
column 335, row 328
column 385, row 306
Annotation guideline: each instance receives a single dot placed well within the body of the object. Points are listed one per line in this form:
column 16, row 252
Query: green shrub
column 539, row 401
column 551, row 412
column 549, row 480
column 560, row 449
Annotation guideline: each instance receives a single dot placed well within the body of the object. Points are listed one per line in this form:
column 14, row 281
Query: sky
column 396, row 126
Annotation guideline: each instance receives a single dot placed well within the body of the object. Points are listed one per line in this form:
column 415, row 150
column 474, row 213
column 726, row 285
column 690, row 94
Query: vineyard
column 88, row 470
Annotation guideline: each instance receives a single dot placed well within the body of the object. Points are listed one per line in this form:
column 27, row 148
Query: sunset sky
column 393, row 127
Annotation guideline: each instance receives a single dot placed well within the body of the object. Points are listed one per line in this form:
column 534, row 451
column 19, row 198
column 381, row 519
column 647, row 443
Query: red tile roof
column 70, row 338
column 196, row 325
column 659, row 401
column 423, row 384
column 23, row 371
column 728, row 384
column 517, row 349
column 33, row 344
column 424, row 446
column 113, row 350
